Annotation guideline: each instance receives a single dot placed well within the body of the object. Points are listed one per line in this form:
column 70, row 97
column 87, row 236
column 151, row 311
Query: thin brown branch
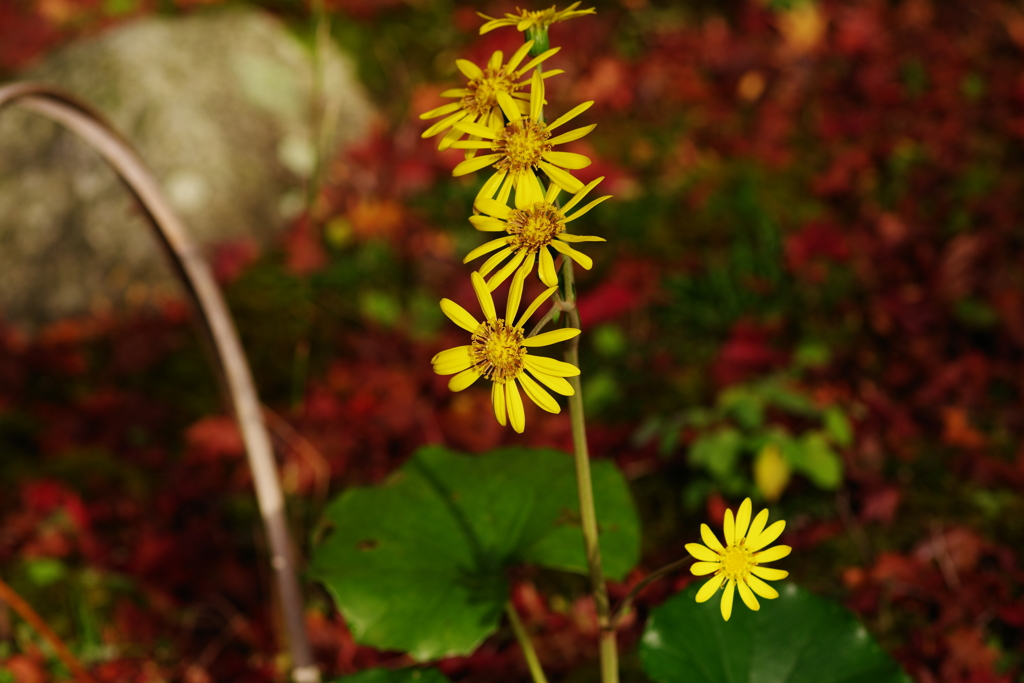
column 25, row 611
column 188, row 262
column 627, row 603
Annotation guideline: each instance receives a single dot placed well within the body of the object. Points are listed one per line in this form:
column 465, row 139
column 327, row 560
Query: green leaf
column 717, row 452
column 745, row 406
column 838, row 427
column 796, row 638
column 816, row 459
column 418, row 564
column 45, row 571
column 379, row 675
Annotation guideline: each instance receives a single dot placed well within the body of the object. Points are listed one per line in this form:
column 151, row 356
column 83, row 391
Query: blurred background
column 812, row 294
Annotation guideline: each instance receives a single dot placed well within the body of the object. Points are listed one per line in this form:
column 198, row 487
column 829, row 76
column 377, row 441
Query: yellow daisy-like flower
column 523, row 146
column 738, row 563
column 530, row 232
column 541, row 19
column 499, row 351
column 477, row 102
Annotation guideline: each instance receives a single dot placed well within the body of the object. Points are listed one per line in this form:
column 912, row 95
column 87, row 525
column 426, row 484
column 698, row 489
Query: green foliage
column 394, row 676
column 748, row 419
column 796, row 638
column 418, row 563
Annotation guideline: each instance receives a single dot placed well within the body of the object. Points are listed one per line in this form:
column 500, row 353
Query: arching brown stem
column 195, row 275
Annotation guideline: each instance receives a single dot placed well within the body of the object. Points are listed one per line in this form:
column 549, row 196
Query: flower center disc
column 523, row 144
column 535, row 227
column 481, row 98
column 736, row 562
column 498, row 350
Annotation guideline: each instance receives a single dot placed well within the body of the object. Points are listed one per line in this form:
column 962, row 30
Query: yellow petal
column 472, row 144
column 514, row 405
column 552, row 337
column 463, row 379
column 515, row 294
column 570, row 115
column 748, row 597
column 569, row 160
column 552, row 195
column 709, row 538
column 471, row 70
column 458, row 315
column 769, row 573
column 587, row 208
column 702, row 553
column 709, row 588
column 444, row 123
column 506, row 270
column 519, row 55
column 537, row 394
column 762, row 588
column 506, row 190
column 541, row 298
column 563, row 179
column 491, row 185
column 455, row 92
column 772, row 554
column 767, row 536
column 452, row 367
column 528, row 190
column 535, row 61
column 729, row 529
column 575, row 134
column 578, row 197
column 488, row 224
column 704, row 568
column 569, row 237
column 555, row 384
column 451, row 354
column 537, row 96
column 475, row 164
column 476, row 129
column 546, row 268
column 483, row 295
column 495, row 61
column 485, row 249
column 550, row 366
column 727, row 599
column 448, row 138
column 742, row 520
column 442, row 110
column 757, row 526
column 492, row 262
column 498, row 401
column 579, row 257
column 509, row 106
column 493, row 208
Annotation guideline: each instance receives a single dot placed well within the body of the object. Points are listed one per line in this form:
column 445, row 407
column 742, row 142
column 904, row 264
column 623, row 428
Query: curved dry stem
column 195, row 275
column 25, row 611
column 627, row 603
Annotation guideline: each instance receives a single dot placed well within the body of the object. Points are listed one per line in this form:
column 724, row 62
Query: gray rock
column 219, row 105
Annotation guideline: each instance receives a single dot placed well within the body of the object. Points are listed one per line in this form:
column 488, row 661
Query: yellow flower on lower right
column 737, row 564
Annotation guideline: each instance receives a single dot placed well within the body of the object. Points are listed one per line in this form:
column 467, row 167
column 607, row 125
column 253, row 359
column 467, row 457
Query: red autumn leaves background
column 843, row 173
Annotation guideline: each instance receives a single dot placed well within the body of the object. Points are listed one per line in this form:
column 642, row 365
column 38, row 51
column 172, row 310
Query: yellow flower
column 530, row 232
column 738, row 564
column 477, row 102
column 540, row 19
column 522, row 146
column 499, row 351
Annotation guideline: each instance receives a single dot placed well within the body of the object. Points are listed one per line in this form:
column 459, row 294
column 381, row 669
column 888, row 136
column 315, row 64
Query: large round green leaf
column 418, row 564
column 796, row 638
column 380, row 675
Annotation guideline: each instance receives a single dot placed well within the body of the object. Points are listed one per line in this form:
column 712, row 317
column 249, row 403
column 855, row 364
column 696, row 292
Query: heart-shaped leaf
column 418, row 564
column 796, row 638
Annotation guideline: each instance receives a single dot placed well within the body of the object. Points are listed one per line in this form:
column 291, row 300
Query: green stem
column 524, row 642
column 585, row 489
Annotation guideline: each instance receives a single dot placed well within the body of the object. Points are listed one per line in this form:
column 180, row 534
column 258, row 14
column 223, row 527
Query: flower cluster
column 498, row 119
